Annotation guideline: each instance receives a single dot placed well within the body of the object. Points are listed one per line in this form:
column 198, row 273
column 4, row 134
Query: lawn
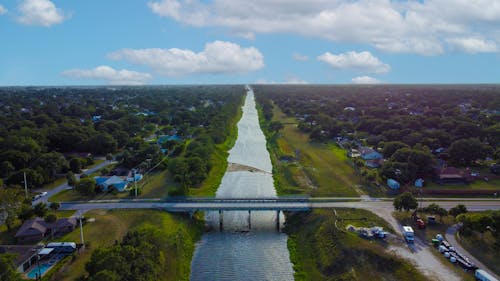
column 320, row 169
column 479, row 184
column 111, row 226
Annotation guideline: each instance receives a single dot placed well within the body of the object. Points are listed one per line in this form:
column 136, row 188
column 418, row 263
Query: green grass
column 111, row 226
column 54, row 184
column 321, row 249
column 321, row 169
column 157, row 185
column 477, row 184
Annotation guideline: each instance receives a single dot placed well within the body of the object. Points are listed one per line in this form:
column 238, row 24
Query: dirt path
column 450, row 237
column 419, row 254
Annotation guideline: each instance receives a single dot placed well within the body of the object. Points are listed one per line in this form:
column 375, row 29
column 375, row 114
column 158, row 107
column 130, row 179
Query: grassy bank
column 317, row 169
column 321, row 249
column 219, row 159
column 111, row 226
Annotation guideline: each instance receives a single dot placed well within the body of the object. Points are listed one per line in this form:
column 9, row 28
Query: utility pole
column 135, row 184
column 25, row 186
column 81, row 230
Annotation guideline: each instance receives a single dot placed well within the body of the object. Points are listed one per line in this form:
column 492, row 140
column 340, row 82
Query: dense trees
column 140, row 256
column 8, row 271
column 45, row 128
column 405, row 201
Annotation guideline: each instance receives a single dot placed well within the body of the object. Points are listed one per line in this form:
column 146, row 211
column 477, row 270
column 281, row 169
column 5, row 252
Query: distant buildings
column 36, row 229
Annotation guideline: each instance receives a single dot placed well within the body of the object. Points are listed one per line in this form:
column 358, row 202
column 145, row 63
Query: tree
column 465, row 151
column 8, row 271
column 40, row 210
column 25, row 213
column 71, row 178
column 50, row 218
column 75, row 165
column 54, row 206
column 457, row 210
column 405, row 201
column 275, row 126
column 86, row 187
column 10, row 205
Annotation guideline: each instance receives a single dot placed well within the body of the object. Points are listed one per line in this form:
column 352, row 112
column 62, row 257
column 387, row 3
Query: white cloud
column 300, row 57
column 363, row 62
column 421, row 27
column 216, row 57
column 39, row 12
column 3, row 10
column 473, row 45
column 365, row 80
column 112, row 76
column 289, row 80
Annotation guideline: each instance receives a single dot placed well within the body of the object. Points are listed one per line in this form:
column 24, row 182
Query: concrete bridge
column 278, row 204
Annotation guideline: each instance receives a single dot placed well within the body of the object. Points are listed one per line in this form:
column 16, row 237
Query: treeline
column 461, row 122
column 481, row 223
column 43, row 127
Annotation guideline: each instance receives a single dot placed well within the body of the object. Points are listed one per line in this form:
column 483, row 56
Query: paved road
column 65, row 185
column 450, row 236
column 385, row 207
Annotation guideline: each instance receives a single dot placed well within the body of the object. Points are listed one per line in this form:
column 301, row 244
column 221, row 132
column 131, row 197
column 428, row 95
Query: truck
column 408, row 233
column 484, row 276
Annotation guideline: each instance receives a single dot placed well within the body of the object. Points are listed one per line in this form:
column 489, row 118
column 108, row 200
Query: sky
column 116, row 42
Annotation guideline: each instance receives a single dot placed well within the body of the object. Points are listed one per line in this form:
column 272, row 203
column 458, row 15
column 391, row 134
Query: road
column 65, row 185
column 450, row 237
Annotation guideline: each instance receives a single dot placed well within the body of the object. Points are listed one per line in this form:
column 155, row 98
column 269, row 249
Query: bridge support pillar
column 221, row 221
column 278, row 220
column 249, row 220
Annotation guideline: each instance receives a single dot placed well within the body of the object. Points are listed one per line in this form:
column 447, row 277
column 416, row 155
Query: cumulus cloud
column 300, row 57
column 421, row 27
column 473, row 45
column 110, row 75
column 3, row 10
column 363, row 62
column 39, row 12
column 365, row 80
column 217, row 57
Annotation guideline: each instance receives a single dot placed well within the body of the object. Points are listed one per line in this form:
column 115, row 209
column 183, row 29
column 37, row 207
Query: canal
column 244, row 251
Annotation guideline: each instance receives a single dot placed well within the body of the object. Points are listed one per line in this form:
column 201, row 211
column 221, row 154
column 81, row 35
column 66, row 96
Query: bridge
column 277, row 204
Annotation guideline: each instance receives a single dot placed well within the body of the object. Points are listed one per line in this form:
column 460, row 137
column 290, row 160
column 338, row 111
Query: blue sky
column 94, row 42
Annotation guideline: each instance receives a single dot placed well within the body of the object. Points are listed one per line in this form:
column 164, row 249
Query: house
column 32, row 230
column 36, row 229
column 65, row 225
column 26, row 255
column 354, row 153
column 368, row 153
column 164, row 138
column 450, row 175
column 96, row 118
column 106, row 182
column 495, row 169
column 393, row 184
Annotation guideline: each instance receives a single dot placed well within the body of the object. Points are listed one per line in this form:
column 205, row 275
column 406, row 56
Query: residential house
column 36, row 229
column 106, row 182
column 374, row 163
column 32, row 230
column 25, row 255
column 368, row 153
column 446, row 175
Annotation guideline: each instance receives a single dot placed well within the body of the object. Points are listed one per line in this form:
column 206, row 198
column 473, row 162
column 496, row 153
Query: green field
column 111, row 226
column 321, row 249
column 477, row 184
column 320, row 169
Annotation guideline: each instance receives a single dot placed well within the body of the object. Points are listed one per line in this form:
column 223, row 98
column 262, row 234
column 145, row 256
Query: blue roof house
column 393, row 184
column 370, row 154
column 115, row 181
